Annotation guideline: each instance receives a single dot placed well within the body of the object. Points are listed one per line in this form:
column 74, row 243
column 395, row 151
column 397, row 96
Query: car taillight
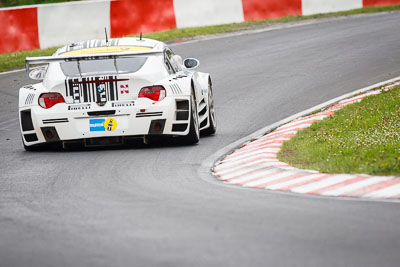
column 47, row 100
column 156, row 93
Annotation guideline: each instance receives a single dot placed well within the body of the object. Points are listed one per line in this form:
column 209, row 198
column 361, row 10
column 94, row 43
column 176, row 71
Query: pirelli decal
column 92, row 89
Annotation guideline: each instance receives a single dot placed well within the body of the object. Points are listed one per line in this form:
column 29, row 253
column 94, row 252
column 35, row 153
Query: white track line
column 11, row 71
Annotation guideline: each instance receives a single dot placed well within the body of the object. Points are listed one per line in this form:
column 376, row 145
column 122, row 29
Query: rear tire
column 211, row 113
column 193, row 136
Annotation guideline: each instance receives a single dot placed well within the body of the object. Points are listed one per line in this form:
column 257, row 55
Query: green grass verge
column 360, row 138
column 17, row 60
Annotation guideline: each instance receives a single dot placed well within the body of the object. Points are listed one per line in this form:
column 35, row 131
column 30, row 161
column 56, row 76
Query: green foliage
column 12, row 60
column 360, row 138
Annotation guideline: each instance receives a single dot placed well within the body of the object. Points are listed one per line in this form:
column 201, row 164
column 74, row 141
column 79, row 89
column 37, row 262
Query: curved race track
column 149, row 207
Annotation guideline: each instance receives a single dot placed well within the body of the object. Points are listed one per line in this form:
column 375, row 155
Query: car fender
column 29, row 94
column 204, row 78
column 178, row 84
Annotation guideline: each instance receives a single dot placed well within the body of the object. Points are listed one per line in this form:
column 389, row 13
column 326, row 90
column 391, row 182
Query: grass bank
column 360, row 138
column 17, row 60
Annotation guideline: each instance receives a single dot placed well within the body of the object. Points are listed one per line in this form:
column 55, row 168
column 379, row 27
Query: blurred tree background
column 8, row 3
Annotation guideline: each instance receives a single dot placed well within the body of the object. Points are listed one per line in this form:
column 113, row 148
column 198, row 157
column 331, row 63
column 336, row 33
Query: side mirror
column 191, row 63
column 37, row 74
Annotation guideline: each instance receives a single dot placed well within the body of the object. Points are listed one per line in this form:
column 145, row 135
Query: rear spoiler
column 50, row 59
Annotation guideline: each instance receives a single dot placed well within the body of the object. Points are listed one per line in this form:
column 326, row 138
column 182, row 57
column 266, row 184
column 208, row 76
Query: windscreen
column 102, row 66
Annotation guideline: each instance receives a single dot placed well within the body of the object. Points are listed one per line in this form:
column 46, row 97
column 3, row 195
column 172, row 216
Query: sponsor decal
column 79, row 107
column 101, row 94
column 124, row 89
column 29, row 87
column 102, row 125
column 123, row 104
column 101, row 88
column 110, row 124
column 29, row 99
column 97, row 125
column 92, row 89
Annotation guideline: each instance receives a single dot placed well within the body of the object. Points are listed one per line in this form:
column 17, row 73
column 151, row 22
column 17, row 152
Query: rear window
column 103, row 66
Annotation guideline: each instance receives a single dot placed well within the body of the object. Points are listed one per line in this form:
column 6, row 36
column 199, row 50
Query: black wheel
column 211, row 113
column 193, row 136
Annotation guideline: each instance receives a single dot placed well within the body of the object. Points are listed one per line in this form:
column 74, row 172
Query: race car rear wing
column 50, row 59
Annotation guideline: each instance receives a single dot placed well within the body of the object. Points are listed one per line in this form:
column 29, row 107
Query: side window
column 167, row 62
column 169, row 53
column 170, row 56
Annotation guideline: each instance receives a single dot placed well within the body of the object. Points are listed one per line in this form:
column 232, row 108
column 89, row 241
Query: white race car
column 105, row 92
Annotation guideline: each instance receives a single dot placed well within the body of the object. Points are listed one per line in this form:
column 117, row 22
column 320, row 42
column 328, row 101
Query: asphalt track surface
column 147, row 206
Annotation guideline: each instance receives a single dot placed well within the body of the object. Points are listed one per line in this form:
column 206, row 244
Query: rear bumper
column 68, row 122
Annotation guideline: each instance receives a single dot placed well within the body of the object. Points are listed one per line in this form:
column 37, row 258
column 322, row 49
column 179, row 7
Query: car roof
column 97, row 46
